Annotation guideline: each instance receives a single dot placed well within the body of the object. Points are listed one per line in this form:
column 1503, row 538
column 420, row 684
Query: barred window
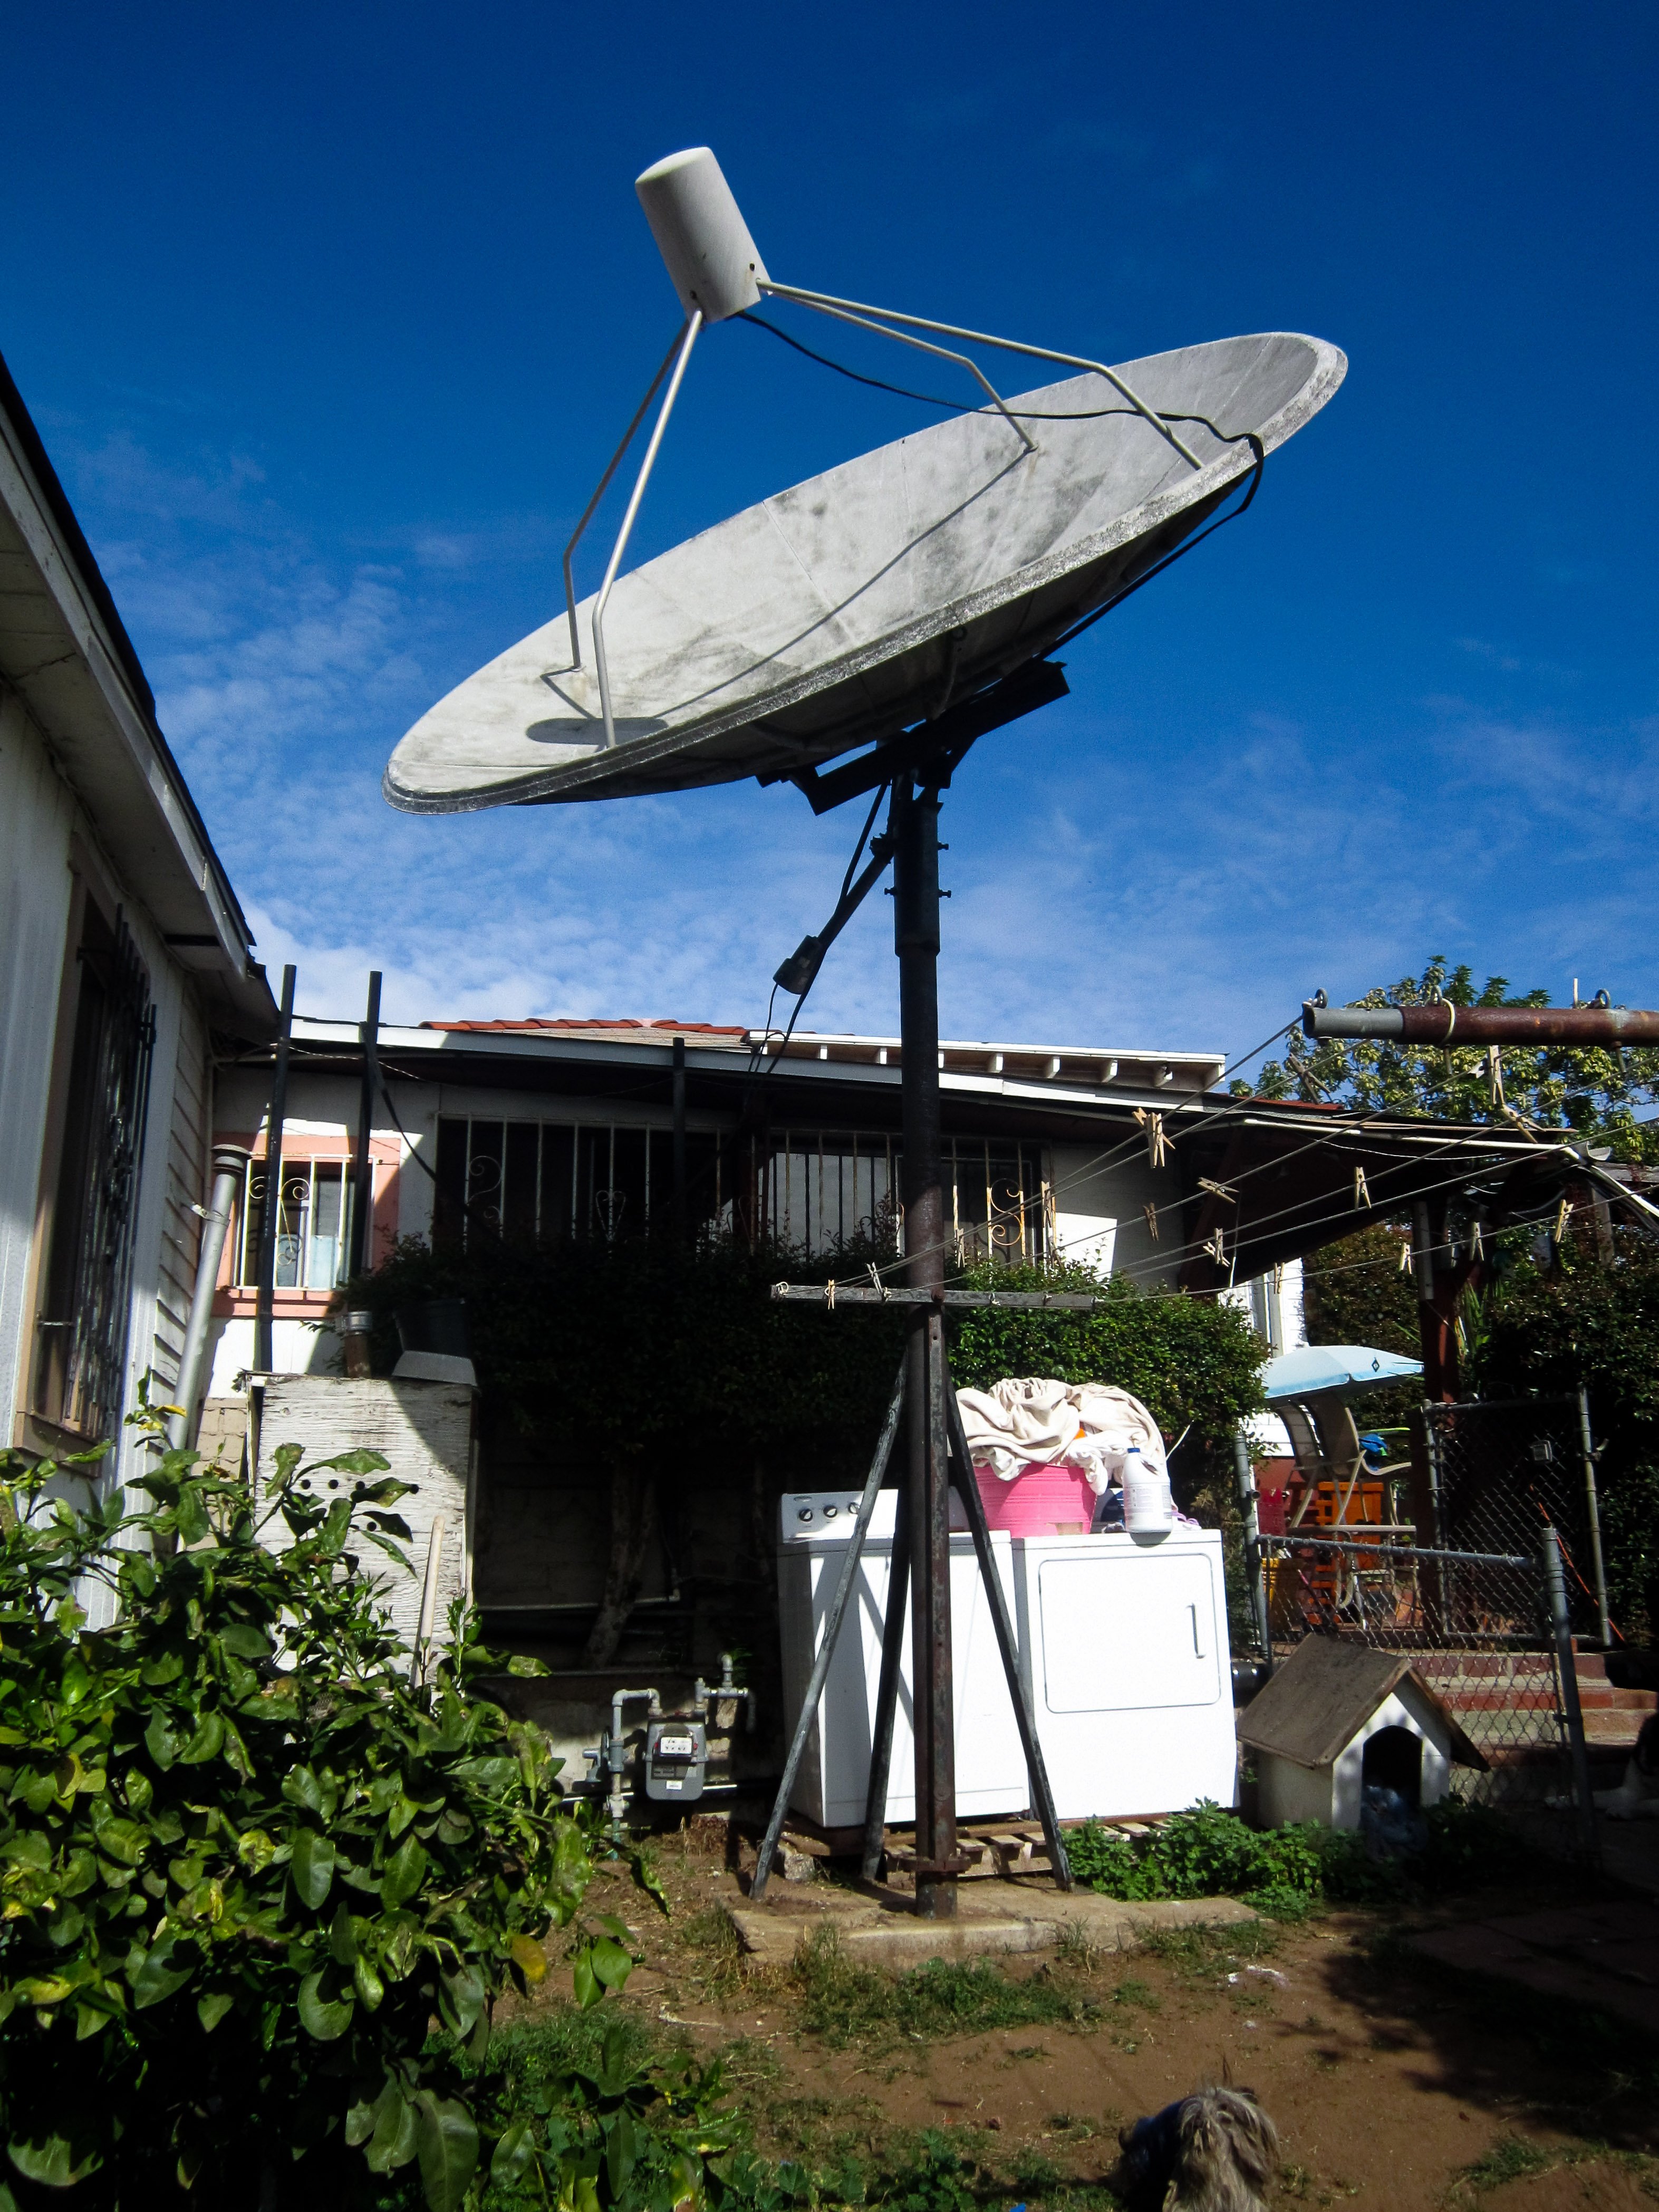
column 818, row 1190
column 81, row 1325
column 313, row 1223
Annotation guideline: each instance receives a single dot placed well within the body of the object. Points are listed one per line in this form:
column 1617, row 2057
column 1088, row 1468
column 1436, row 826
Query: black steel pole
column 265, row 1293
column 914, row 820
column 361, row 1253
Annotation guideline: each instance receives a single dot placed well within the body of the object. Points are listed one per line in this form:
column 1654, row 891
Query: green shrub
column 1207, row 1852
column 245, row 1859
column 1285, row 1872
column 1193, row 1362
column 614, row 1346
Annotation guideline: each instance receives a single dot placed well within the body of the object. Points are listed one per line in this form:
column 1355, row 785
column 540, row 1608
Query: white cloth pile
column 1034, row 1420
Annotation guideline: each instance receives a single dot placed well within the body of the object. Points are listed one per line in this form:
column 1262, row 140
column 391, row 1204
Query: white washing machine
column 1123, row 1643
column 834, row 1769
column 1124, row 1646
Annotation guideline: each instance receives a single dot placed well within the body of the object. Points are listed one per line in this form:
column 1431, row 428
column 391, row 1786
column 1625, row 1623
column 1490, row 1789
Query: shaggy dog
column 1212, row 2152
column 1637, row 1797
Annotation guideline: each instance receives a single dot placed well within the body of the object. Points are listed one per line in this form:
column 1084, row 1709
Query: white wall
column 37, row 815
column 1100, row 1192
column 1272, row 1305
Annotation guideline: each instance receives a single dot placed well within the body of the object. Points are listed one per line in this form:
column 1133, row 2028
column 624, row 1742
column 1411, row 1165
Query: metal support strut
column 937, row 1454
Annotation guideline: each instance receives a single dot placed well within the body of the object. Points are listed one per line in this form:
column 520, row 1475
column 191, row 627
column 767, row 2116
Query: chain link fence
column 1502, row 1470
column 1486, row 1633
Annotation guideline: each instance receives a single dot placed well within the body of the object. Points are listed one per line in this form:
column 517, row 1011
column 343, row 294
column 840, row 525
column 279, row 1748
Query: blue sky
column 330, row 316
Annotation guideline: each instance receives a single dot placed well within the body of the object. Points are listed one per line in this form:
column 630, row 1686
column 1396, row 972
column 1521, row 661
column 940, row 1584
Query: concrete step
column 1603, row 1697
column 879, row 1926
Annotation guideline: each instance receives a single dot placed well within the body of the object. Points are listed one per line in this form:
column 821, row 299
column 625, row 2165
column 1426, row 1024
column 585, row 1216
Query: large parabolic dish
column 870, row 598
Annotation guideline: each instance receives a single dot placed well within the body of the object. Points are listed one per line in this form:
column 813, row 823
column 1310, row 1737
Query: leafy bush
column 1549, row 1330
column 1207, row 1852
column 1192, row 1362
column 591, row 2129
column 612, row 1346
column 245, row 1859
column 1285, row 1872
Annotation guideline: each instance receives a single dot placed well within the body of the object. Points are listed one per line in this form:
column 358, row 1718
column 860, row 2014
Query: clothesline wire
column 1346, row 1140
column 1160, row 1264
column 1133, row 1143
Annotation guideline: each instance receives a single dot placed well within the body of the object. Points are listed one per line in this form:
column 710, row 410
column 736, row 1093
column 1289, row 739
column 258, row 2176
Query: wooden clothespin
column 1216, row 1247
column 1406, row 1257
column 1495, row 1074
column 1477, row 1249
column 1150, row 1213
column 1218, row 1189
column 1157, row 1145
column 830, row 1294
column 1362, row 1196
column 1561, row 1221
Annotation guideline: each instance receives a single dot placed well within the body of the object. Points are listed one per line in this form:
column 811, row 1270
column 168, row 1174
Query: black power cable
column 961, row 407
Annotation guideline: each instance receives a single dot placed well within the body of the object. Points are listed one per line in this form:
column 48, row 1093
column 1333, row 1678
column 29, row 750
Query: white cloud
column 1120, row 884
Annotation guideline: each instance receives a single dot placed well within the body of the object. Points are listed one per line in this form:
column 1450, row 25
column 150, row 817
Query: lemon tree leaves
column 446, row 2144
column 238, row 1842
column 311, row 1865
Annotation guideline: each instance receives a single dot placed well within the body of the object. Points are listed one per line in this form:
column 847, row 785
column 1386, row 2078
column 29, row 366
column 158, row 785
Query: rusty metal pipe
column 1443, row 1023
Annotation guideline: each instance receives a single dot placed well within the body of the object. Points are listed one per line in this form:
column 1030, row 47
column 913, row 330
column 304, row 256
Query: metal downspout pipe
column 230, row 1165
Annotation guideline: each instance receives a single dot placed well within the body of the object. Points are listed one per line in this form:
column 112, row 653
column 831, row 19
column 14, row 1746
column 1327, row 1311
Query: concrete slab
column 1605, row 1956
column 879, row 1929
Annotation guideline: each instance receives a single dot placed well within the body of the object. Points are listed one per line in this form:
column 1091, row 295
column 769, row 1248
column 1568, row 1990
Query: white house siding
column 37, row 815
column 1100, row 1192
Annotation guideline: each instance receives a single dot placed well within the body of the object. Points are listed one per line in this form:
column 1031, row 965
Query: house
column 1338, row 1718
column 124, row 965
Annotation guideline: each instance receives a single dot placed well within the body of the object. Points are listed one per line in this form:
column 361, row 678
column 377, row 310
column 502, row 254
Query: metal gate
column 1487, row 1632
column 1502, row 1471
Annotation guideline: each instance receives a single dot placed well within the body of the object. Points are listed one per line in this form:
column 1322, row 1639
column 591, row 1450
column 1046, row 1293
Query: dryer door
column 1123, row 1632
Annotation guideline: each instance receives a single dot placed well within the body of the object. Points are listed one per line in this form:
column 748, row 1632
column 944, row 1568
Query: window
column 542, row 1182
column 314, row 1223
column 81, row 1324
column 818, row 1189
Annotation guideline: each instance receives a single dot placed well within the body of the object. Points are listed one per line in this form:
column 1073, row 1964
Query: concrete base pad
column 878, row 1927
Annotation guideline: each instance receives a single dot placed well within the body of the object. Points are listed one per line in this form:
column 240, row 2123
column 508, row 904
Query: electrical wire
column 846, row 886
column 961, row 407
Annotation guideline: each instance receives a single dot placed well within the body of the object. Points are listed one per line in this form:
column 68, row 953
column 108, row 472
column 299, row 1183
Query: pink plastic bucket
column 1039, row 1502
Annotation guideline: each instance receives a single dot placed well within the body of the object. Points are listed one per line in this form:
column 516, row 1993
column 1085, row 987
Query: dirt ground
column 1390, row 2078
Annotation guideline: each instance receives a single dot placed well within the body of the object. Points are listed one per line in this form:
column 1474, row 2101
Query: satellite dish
column 836, row 614
column 905, row 602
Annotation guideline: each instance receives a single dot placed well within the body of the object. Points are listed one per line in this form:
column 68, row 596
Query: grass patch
column 715, row 1967
column 848, row 2004
column 1509, row 2159
column 1208, row 1953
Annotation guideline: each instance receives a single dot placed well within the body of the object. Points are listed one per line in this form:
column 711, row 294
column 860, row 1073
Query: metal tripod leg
column 820, row 1674
column 892, row 1649
column 1043, row 1797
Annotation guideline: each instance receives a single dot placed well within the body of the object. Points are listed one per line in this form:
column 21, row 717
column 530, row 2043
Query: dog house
column 1337, row 1716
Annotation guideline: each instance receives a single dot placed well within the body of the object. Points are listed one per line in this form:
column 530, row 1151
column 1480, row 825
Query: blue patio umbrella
column 1350, row 1368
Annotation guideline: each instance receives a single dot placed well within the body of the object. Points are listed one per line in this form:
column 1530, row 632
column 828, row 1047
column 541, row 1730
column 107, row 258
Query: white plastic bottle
column 1147, row 1508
